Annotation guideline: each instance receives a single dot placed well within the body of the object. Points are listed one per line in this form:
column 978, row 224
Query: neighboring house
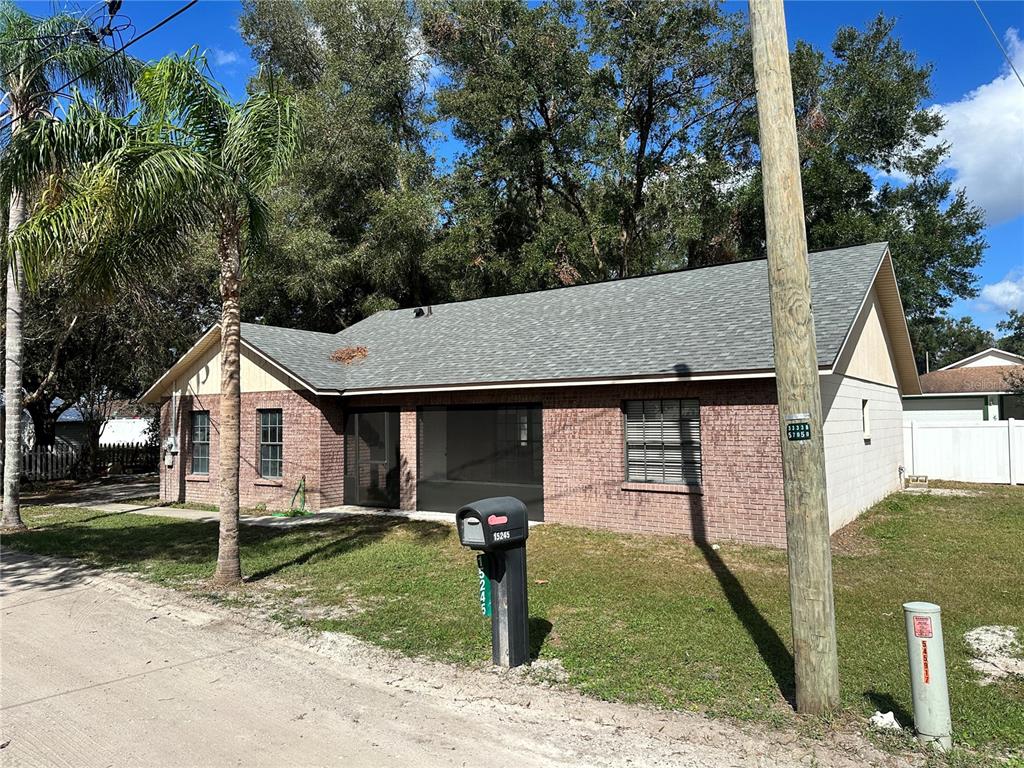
column 128, row 425
column 646, row 404
column 972, row 389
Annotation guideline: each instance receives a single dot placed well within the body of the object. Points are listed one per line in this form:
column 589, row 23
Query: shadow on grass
column 79, row 521
column 770, row 646
column 137, row 539
column 354, row 533
column 539, row 631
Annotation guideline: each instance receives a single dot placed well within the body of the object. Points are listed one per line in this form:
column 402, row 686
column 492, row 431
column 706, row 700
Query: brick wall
column 740, row 498
column 172, row 479
column 332, row 453
column 407, row 457
column 309, row 437
column 584, row 478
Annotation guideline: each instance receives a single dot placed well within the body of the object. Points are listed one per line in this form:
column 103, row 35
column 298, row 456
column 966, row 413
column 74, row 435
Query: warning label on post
column 922, row 626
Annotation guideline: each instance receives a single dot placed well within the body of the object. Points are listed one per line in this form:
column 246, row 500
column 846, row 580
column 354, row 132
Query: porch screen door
column 371, row 458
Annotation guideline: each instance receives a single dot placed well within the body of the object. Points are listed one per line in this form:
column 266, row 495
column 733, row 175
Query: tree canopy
column 592, row 141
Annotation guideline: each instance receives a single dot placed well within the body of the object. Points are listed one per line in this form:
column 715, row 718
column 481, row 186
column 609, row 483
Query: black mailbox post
column 498, row 527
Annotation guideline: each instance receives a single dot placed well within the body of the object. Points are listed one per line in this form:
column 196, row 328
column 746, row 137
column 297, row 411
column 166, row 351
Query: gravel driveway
column 103, row 670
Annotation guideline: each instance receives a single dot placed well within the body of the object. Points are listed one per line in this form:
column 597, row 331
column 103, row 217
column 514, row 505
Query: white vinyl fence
column 973, row 452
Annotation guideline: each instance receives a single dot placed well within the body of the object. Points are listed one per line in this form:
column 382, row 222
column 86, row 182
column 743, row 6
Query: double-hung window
column 200, row 442
column 271, row 443
column 663, row 441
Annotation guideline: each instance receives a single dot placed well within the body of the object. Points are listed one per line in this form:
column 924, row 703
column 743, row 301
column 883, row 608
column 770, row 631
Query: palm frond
column 45, row 146
column 38, row 55
column 175, row 91
column 133, row 210
column 257, row 231
column 262, row 140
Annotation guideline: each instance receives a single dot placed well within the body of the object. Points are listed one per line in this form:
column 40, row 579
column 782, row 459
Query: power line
column 134, row 40
column 112, row 54
column 998, row 42
column 54, row 39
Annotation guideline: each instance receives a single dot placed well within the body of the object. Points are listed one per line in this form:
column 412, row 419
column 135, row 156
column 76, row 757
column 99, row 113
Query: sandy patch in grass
column 997, row 652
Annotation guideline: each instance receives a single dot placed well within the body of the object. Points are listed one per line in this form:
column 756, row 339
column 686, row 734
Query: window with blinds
column 663, row 441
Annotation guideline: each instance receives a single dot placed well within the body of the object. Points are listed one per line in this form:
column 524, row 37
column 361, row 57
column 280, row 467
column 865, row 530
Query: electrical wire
column 998, row 42
column 113, row 53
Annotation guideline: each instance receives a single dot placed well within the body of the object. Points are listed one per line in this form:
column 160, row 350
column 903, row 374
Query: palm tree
column 37, row 57
column 245, row 148
column 188, row 156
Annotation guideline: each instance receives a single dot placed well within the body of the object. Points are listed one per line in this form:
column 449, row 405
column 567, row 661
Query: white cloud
column 1007, row 294
column 222, row 58
column 985, row 130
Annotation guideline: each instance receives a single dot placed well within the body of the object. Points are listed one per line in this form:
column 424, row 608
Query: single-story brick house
column 646, row 404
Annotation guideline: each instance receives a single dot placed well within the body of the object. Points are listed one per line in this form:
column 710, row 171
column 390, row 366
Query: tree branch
column 51, row 374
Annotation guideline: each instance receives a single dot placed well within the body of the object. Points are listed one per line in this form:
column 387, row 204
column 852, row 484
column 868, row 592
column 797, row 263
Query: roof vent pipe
column 423, row 311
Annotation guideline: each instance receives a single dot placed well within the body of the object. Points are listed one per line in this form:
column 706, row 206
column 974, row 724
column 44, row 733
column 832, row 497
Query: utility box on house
column 498, row 527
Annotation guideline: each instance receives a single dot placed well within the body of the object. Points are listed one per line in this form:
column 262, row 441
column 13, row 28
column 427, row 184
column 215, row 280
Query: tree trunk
column 44, row 420
column 90, row 465
column 229, row 564
column 12, row 374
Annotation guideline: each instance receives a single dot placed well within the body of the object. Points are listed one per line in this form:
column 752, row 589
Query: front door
column 371, row 458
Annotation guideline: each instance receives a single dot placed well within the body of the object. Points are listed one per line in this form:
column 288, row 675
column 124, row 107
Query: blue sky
column 972, row 85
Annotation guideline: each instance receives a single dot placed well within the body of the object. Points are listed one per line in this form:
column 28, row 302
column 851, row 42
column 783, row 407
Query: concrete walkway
column 107, row 489
column 269, row 521
column 99, row 669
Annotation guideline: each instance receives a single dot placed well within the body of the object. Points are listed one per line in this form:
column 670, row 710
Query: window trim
column 683, row 484
column 193, row 442
column 260, row 444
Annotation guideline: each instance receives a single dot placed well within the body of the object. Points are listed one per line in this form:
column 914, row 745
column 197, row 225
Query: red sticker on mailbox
column 502, row 519
column 922, row 626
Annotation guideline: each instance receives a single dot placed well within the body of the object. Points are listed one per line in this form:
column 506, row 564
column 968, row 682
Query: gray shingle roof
column 710, row 320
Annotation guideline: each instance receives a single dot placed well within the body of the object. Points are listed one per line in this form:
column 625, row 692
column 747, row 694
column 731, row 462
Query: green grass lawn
column 635, row 618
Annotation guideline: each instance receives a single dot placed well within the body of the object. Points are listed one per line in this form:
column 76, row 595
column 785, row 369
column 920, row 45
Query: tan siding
column 203, row 377
column 868, row 356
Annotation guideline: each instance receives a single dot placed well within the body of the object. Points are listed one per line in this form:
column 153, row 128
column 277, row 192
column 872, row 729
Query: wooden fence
column 128, row 457
column 61, row 461
column 50, row 462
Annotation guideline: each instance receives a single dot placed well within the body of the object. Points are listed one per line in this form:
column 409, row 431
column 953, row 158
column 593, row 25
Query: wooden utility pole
column 796, row 368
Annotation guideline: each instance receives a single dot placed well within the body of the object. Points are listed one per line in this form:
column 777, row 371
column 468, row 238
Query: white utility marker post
column 928, row 674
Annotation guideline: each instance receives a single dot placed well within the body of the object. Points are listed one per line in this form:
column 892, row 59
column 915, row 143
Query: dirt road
column 102, row 670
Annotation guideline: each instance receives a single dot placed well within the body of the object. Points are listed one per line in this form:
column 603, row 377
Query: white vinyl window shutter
column 663, row 441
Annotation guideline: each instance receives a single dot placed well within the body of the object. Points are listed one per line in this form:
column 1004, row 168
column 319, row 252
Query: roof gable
column 987, row 357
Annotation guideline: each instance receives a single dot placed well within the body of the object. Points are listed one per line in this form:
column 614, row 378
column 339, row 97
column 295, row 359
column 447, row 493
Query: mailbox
column 498, row 527
column 492, row 524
